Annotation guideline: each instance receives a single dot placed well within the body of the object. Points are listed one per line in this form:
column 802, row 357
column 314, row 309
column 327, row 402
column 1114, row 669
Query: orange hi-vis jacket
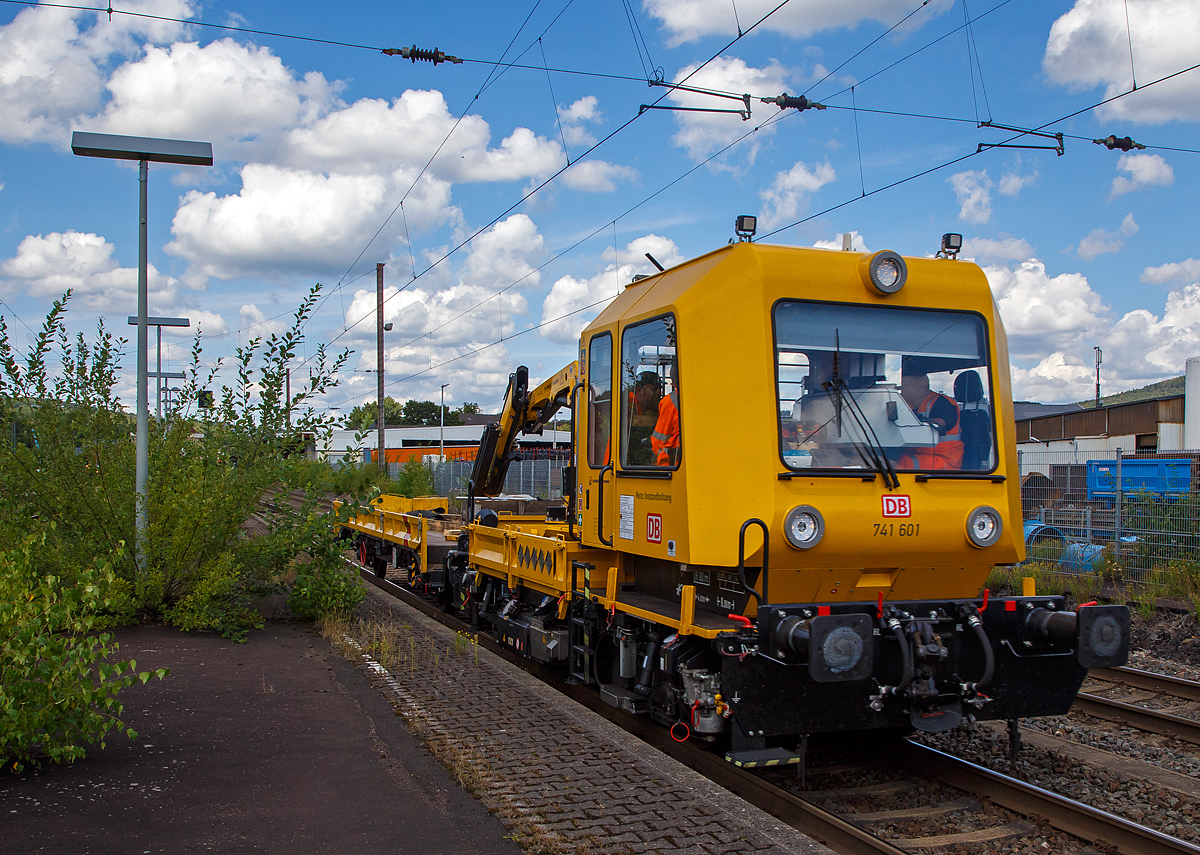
column 948, row 453
column 664, row 441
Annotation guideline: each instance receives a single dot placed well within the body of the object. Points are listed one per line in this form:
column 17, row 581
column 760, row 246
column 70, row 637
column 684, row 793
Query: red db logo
column 654, row 528
column 897, row 506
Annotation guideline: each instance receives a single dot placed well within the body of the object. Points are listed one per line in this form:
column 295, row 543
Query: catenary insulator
column 798, row 102
column 414, row 53
column 1112, row 141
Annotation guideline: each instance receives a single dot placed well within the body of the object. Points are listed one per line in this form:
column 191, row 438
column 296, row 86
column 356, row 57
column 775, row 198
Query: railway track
column 992, row 806
column 1180, row 700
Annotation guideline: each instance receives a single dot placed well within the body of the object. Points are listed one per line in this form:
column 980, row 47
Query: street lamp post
column 143, row 150
column 158, row 374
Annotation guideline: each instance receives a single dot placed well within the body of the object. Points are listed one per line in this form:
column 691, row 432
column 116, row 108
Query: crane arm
column 524, row 412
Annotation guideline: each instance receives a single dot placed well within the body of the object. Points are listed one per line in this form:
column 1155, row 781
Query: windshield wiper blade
column 878, row 453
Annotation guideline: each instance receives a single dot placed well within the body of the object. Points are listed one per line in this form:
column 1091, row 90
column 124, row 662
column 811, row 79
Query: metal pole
column 442, row 430
column 142, row 468
column 379, row 361
column 158, row 377
column 1117, row 509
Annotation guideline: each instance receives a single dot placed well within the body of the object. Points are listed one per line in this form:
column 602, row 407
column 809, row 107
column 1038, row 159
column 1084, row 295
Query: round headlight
column 804, row 527
column 885, row 271
column 984, row 526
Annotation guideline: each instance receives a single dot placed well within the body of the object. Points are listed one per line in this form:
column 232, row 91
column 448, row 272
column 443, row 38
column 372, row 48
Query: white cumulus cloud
column 702, row 134
column 857, row 244
column 1054, row 321
column 47, row 265
column 1144, row 170
column 1101, row 241
column 1004, row 248
column 1012, row 183
column 788, row 195
column 574, row 117
column 54, row 63
column 231, row 94
column 285, row 222
column 973, row 191
column 503, row 257
column 689, row 20
column 1178, row 271
column 1089, row 46
column 573, row 302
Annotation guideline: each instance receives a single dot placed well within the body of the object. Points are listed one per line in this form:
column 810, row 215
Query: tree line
column 409, row 414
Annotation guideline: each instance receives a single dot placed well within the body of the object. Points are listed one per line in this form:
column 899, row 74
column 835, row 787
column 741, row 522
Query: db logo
column 897, row 506
column 654, row 528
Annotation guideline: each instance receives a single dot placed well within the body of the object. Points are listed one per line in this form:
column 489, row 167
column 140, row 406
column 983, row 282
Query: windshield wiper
column 878, row 454
column 841, row 390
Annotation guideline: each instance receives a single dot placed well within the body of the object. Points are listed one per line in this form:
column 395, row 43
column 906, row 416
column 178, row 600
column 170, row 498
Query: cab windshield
column 884, row 389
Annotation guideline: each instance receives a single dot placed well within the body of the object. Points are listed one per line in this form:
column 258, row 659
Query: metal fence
column 1090, row 511
column 540, row 477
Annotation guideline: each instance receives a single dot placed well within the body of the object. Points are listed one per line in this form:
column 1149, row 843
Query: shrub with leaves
column 70, row 460
column 57, row 691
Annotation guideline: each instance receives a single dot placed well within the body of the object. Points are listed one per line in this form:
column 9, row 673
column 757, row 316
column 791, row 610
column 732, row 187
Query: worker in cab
column 641, row 418
column 664, row 441
column 935, row 409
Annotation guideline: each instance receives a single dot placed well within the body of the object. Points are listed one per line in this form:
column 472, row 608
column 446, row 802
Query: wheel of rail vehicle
column 379, row 566
column 362, row 552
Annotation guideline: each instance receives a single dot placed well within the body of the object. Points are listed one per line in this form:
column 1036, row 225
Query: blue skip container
column 1154, row 475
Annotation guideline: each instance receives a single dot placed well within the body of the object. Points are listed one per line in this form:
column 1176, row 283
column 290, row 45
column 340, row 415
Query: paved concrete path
column 577, row 782
column 275, row 745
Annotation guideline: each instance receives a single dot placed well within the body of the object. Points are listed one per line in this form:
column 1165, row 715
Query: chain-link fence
column 1087, row 511
column 540, row 477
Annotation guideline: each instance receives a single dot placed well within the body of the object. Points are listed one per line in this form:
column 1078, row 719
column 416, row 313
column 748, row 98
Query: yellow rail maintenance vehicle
column 793, row 472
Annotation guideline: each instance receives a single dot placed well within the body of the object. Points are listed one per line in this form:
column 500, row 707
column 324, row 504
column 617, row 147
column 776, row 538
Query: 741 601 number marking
column 897, row 530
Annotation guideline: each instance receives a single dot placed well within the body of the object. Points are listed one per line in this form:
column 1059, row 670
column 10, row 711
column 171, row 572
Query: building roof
column 1026, row 410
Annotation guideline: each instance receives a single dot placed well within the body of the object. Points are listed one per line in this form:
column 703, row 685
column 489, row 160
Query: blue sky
column 316, row 146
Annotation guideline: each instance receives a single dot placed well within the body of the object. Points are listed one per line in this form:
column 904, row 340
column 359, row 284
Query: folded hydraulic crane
column 523, row 413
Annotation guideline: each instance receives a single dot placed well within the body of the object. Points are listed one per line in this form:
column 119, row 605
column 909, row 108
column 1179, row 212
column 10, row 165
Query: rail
column 1163, row 722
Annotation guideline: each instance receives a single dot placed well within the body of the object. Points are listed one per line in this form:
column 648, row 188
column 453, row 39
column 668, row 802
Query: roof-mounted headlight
column 804, row 527
column 885, row 272
column 984, row 526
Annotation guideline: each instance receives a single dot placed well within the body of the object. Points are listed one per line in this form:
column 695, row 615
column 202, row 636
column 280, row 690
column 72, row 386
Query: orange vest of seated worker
column 664, row 441
column 942, row 413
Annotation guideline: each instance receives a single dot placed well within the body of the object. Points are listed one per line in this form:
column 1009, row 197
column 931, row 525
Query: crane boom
column 523, row 413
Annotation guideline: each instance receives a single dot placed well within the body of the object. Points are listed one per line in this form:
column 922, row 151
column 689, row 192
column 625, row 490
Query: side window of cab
column 599, row 396
column 650, row 395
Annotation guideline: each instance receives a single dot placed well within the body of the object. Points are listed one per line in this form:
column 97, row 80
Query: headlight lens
column 984, row 526
column 804, row 527
column 885, row 272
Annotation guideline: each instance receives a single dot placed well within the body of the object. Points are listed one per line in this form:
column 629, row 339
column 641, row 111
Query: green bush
column 57, row 692
column 414, row 479
column 70, row 460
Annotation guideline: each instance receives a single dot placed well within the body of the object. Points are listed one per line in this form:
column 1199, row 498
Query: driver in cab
column 938, row 410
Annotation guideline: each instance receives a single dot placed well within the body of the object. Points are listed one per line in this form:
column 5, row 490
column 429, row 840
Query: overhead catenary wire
column 682, row 176
column 483, row 87
column 919, row 50
column 867, row 47
column 975, row 153
column 972, row 64
column 554, row 105
column 545, row 68
column 563, row 169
